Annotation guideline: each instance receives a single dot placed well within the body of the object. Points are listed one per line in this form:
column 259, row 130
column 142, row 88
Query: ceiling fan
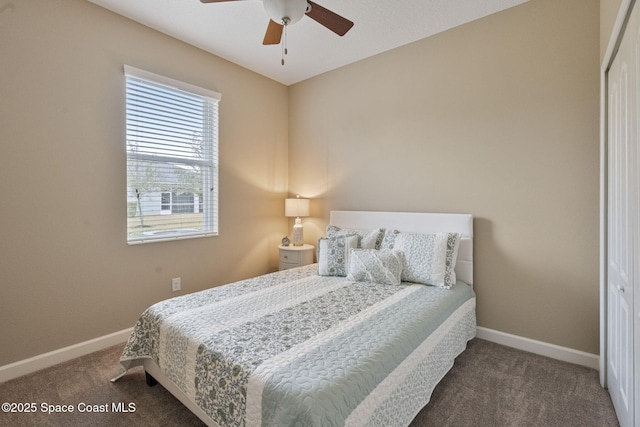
column 287, row 12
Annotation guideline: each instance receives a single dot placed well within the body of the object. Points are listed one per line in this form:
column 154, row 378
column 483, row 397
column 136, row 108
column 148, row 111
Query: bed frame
column 401, row 221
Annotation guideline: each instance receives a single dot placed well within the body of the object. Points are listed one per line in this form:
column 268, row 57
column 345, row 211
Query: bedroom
column 497, row 118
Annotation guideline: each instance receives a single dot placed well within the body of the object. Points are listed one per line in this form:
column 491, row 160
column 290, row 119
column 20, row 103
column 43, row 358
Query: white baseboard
column 42, row 361
column 542, row 348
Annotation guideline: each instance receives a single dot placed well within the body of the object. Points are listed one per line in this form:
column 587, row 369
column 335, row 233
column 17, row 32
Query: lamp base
column 297, row 233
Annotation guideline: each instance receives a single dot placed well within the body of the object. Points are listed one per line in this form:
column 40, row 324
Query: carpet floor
column 489, row 385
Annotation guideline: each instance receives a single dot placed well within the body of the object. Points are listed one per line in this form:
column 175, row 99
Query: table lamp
column 296, row 208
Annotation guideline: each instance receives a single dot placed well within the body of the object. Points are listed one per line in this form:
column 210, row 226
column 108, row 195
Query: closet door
column 623, row 87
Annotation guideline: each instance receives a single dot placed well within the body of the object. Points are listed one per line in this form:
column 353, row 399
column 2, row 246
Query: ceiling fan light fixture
column 282, row 10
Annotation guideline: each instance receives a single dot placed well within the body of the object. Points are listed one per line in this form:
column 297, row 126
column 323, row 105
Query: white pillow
column 370, row 265
column 429, row 258
column 369, row 239
column 333, row 254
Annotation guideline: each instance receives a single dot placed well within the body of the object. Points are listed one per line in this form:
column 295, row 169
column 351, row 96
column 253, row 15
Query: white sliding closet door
column 623, row 87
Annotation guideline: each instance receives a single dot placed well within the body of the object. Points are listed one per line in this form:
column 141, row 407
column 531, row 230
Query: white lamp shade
column 296, row 207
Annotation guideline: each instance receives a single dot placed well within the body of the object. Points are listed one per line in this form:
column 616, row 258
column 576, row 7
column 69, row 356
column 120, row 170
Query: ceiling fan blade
column 215, row 1
column 329, row 19
column 273, row 34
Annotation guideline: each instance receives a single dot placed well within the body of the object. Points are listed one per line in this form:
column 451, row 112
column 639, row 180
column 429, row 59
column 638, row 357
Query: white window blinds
column 172, row 158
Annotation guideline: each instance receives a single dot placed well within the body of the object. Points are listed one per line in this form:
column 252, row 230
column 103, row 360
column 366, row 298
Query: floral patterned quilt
column 295, row 348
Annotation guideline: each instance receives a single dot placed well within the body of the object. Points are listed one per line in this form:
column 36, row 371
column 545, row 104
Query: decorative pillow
column 389, row 239
column 429, row 258
column 370, row 265
column 369, row 239
column 333, row 254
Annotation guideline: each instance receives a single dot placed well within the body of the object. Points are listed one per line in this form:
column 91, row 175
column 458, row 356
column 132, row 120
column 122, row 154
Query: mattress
column 295, row 348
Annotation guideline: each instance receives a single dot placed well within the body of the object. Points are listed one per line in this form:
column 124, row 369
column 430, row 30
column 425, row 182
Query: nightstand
column 295, row 256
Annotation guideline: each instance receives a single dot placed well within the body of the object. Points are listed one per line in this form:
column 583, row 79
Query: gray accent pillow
column 368, row 239
column 389, row 239
column 333, row 254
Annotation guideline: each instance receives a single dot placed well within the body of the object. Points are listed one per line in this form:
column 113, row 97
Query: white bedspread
column 295, row 348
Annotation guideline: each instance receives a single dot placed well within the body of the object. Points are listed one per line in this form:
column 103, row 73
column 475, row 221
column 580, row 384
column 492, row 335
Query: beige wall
column 497, row 118
column 66, row 272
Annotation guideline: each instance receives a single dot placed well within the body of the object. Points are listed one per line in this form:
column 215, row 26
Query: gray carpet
column 489, row 385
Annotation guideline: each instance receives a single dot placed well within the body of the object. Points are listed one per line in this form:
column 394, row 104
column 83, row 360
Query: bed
column 351, row 340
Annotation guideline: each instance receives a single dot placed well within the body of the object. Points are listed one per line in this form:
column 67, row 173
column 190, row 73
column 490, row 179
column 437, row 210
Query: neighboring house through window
column 172, row 158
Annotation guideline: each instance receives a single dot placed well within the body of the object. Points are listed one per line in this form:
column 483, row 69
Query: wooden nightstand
column 295, row 256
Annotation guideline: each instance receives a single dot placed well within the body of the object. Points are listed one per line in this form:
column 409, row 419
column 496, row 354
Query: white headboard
column 417, row 223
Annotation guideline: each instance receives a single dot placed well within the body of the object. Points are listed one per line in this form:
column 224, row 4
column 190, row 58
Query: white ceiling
column 234, row 30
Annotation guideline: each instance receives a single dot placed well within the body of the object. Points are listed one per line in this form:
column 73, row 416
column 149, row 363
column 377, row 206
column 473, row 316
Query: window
column 172, row 158
column 165, row 202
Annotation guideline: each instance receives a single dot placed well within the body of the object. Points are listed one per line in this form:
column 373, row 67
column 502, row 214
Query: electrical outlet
column 175, row 284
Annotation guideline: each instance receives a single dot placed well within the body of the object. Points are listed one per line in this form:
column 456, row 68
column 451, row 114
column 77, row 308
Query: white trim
column 614, row 40
column 46, row 360
column 167, row 81
column 542, row 348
